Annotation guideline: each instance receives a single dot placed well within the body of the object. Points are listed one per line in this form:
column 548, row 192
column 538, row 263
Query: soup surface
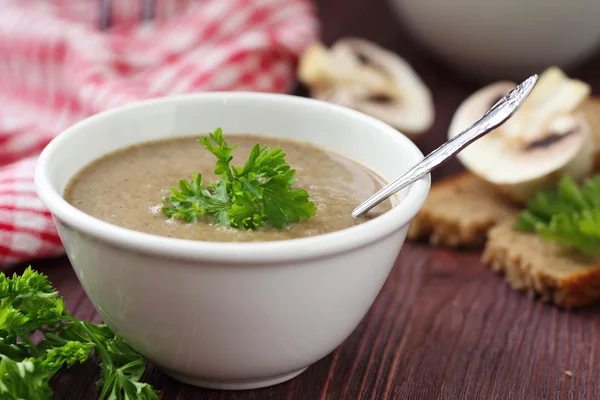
column 126, row 188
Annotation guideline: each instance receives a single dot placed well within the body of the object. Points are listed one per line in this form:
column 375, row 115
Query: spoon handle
column 496, row 116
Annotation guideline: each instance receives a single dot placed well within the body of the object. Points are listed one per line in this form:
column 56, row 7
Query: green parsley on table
column 245, row 197
column 29, row 304
column 569, row 215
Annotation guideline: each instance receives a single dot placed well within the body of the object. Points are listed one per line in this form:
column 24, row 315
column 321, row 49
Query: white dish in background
column 509, row 39
column 231, row 315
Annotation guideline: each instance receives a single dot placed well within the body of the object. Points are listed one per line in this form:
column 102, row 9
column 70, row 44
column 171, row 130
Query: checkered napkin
column 63, row 60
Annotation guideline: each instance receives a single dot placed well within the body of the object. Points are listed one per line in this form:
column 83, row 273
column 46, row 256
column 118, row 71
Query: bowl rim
column 233, row 252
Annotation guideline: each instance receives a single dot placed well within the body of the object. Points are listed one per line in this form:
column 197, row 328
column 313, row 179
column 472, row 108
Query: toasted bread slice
column 591, row 112
column 542, row 268
column 459, row 211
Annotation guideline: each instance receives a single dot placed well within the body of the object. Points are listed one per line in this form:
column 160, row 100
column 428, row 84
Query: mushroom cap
column 313, row 65
column 502, row 161
column 320, row 68
column 403, row 100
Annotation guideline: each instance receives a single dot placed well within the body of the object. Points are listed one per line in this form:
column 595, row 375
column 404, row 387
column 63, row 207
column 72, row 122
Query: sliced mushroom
column 321, row 69
column 361, row 75
column 314, row 68
column 555, row 95
column 546, row 138
column 342, row 95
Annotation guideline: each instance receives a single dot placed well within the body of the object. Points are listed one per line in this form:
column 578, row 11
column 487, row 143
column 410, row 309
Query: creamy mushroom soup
column 126, row 188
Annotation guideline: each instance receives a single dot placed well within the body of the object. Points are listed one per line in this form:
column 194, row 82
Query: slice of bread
column 541, row 267
column 465, row 211
column 459, row 211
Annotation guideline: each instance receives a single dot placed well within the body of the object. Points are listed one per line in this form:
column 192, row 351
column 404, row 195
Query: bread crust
column 459, row 211
column 542, row 268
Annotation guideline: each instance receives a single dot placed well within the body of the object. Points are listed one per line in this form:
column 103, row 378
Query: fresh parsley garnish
column 28, row 305
column 245, row 197
column 569, row 215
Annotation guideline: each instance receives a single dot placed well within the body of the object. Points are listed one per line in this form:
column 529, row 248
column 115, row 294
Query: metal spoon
column 496, row 116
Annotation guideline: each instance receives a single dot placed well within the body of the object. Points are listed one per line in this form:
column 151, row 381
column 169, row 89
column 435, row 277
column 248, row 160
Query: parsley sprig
column 245, row 197
column 569, row 215
column 29, row 304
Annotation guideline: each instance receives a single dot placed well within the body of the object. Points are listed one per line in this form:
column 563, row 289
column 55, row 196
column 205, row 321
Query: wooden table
column 443, row 327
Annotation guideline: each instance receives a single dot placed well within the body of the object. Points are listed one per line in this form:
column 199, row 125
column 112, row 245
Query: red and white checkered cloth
column 63, row 60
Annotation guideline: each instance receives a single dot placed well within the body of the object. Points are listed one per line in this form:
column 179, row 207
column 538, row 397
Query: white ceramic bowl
column 231, row 315
column 509, row 39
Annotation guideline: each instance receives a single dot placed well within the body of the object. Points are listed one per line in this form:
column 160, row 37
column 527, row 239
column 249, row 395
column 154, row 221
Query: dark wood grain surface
column 443, row 326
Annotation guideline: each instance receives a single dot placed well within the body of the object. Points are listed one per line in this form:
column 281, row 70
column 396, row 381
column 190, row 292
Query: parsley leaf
column 25, row 379
column 283, row 204
column 29, row 304
column 193, row 200
column 569, row 215
column 245, row 197
column 222, row 151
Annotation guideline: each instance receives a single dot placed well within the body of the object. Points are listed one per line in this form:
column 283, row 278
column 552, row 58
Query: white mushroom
column 361, row 75
column 546, row 138
column 321, row 69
